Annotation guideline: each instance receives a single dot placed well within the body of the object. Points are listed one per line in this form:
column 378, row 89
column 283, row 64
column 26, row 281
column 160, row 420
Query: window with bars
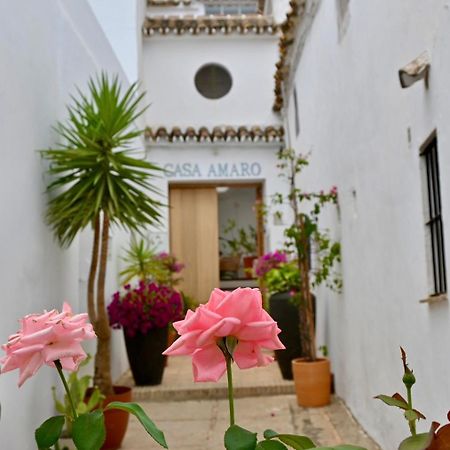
column 429, row 154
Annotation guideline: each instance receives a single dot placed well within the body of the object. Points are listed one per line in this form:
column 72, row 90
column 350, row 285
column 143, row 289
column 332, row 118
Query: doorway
column 216, row 230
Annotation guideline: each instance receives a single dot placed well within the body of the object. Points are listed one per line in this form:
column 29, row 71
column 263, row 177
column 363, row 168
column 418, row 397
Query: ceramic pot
column 248, row 262
column 229, row 266
column 286, row 315
column 312, row 381
column 116, row 421
column 145, row 356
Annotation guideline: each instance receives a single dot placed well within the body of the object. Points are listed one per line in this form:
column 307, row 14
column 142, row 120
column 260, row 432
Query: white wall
column 279, row 9
column 44, row 52
column 354, row 118
column 171, row 62
column 121, row 23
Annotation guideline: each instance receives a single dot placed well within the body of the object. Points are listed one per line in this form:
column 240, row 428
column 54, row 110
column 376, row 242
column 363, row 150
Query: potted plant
column 248, row 240
column 82, row 402
column 236, row 243
column 143, row 262
column 145, row 313
column 99, row 182
column 312, row 375
column 280, row 277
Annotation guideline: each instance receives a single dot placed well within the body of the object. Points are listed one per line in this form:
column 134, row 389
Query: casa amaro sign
column 213, row 170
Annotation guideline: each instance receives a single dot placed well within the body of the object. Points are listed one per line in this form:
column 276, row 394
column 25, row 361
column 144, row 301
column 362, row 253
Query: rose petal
column 208, row 363
column 30, row 368
column 226, row 327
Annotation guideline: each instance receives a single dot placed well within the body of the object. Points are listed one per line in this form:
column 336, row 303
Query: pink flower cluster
column 45, row 338
column 170, row 262
column 238, row 314
column 269, row 261
column 145, row 307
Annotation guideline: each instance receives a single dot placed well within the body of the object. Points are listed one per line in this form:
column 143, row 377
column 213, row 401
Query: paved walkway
column 194, row 416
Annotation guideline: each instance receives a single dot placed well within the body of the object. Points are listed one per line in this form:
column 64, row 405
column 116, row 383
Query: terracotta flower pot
column 116, row 421
column 312, row 382
column 248, row 262
column 230, row 264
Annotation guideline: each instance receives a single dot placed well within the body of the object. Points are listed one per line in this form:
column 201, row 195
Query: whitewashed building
column 209, row 79
column 384, row 147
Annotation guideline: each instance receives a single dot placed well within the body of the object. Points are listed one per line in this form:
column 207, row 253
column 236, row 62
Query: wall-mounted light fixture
column 417, row 69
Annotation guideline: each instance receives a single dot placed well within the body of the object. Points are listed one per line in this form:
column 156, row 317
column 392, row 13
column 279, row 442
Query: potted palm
column 97, row 182
column 312, row 375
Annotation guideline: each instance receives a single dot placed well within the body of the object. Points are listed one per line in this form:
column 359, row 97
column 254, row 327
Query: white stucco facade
column 364, row 133
column 44, row 52
column 171, row 62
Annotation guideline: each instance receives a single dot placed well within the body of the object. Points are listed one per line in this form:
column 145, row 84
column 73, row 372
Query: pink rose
column 44, row 338
column 239, row 314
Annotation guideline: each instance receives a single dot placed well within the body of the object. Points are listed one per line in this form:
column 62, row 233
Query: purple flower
column 145, row 307
column 269, row 261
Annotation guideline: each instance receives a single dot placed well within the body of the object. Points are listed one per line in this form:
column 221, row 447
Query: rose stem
column 66, row 387
column 230, row 389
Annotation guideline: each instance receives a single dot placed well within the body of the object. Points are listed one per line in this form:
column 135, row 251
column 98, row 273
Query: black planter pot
column 286, row 315
column 145, row 356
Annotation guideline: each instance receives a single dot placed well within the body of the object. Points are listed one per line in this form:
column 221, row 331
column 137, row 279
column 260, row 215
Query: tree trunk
column 93, row 272
column 306, row 311
column 102, row 377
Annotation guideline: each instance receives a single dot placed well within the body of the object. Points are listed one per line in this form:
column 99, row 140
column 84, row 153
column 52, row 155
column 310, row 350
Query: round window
column 213, row 81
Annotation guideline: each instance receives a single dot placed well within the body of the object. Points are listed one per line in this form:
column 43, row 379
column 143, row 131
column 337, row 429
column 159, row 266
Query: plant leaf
column 146, row 422
column 293, row 440
column 393, row 401
column 49, row 432
column 88, row 432
column 417, row 442
column 270, row 445
column 238, row 438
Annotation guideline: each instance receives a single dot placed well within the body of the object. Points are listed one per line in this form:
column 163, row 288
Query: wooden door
column 194, row 238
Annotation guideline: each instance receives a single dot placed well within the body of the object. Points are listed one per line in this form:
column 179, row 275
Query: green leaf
column 49, row 432
column 293, row 440
column 391, row 401
column 88, row 432
column 271, row 445
column 417, row 442
column 146, row 422
column 238, row 438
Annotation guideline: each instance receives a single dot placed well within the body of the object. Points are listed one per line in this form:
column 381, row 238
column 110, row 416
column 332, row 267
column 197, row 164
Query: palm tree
column 99, row 182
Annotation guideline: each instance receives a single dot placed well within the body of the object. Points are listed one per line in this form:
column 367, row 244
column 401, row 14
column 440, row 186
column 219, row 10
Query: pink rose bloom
column 44, row 338
column 239, row 314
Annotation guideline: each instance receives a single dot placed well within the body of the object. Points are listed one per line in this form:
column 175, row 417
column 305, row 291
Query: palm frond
column 94, row 165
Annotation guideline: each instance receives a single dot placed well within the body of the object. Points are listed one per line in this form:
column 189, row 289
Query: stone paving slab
column 178, row 383
column 200, row 424
column 194, row 416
